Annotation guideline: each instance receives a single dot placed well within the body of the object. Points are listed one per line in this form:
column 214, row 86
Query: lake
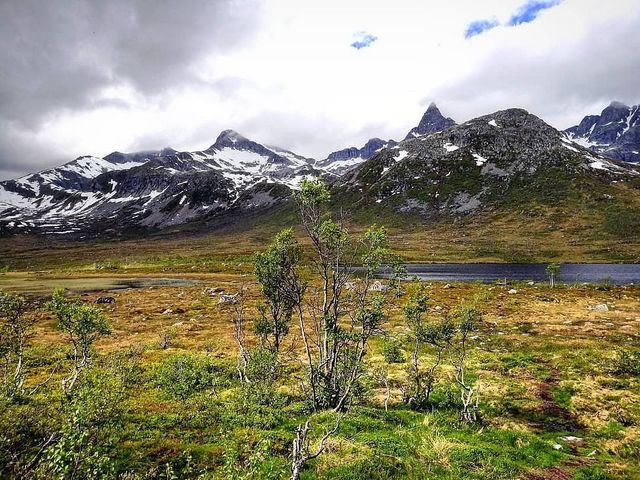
column 33, row 284
column 620, row 274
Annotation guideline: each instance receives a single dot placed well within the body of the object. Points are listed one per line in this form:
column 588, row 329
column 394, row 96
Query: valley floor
column 552, row 403
column 558, row 398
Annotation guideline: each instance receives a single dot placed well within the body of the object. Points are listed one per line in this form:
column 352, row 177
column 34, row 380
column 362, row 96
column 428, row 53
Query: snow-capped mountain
column 151, row 189
column 494, row 161
column 34, row 193
column 615, row 132
column 439, row 167
column 342, row 161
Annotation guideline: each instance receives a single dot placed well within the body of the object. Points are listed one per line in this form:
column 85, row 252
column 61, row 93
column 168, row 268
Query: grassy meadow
column 555, row 371
column 554, row 401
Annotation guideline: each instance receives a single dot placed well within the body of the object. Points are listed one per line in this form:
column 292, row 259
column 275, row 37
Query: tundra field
column 555, row 372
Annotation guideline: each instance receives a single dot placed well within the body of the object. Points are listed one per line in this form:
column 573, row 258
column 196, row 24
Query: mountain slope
column 615, row 132
column 151, row 191
column 347, row 159
column 498, row 160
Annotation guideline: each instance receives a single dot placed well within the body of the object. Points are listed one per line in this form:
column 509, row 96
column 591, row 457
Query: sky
column 312, row 76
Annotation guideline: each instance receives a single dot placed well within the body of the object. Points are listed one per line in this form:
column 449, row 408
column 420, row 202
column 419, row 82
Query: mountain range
column 440, row 167
column 615, row 132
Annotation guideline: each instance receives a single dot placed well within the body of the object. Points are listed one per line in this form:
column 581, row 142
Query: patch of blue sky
column 363, row 40
column 530, row 10
column 480, row 26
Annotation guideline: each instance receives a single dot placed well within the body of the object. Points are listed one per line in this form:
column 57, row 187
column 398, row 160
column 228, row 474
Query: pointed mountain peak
column 232, row 139
column 617, row 104
column 433, row 107
column 432, row 121
column 229, row 136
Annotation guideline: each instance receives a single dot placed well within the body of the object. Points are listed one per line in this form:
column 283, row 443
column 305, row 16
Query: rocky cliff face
column 615, row 132
column 347, row 159
column 494, row 160
column 431, row 122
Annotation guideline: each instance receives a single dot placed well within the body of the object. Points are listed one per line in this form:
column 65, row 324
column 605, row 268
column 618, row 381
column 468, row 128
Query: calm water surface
column 621, row 274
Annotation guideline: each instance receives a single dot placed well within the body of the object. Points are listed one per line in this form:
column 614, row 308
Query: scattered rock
column 177, row 324
column 600, row 307
column 212, row 291
column 106, row 300
column 228, row 298
column 167, row 311
column 513, row 291
column 557, row 446
column 571, row 439
column 378, row 286
column 448, row 286
column 350, row 286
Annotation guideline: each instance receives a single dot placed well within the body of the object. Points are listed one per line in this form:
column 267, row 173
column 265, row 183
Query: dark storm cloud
column 57, row 55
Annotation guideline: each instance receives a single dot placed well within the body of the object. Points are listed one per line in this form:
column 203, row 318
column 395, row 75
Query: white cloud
column 290, row 76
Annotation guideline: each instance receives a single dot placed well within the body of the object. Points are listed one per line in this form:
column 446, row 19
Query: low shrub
column 392, row 351
column 626, row 362
column 108, row 265
column 185, row 374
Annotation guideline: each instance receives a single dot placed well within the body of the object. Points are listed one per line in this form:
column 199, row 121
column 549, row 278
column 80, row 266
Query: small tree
column 83, row 324
column 468, row 319
column 438, row 336
column 239, row 331
column 276, row 270
column 335, row 350
column 553, row 269
column 301, row 451
column 166, row 337
column 15, row 330
column 343, row 314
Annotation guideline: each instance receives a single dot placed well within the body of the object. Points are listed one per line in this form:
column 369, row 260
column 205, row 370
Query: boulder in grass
column 103, row 300
column 212, row 291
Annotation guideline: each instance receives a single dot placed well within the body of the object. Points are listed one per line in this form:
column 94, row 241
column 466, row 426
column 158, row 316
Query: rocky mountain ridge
column 500, row 159
column 615, row 132
column 440, row 167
